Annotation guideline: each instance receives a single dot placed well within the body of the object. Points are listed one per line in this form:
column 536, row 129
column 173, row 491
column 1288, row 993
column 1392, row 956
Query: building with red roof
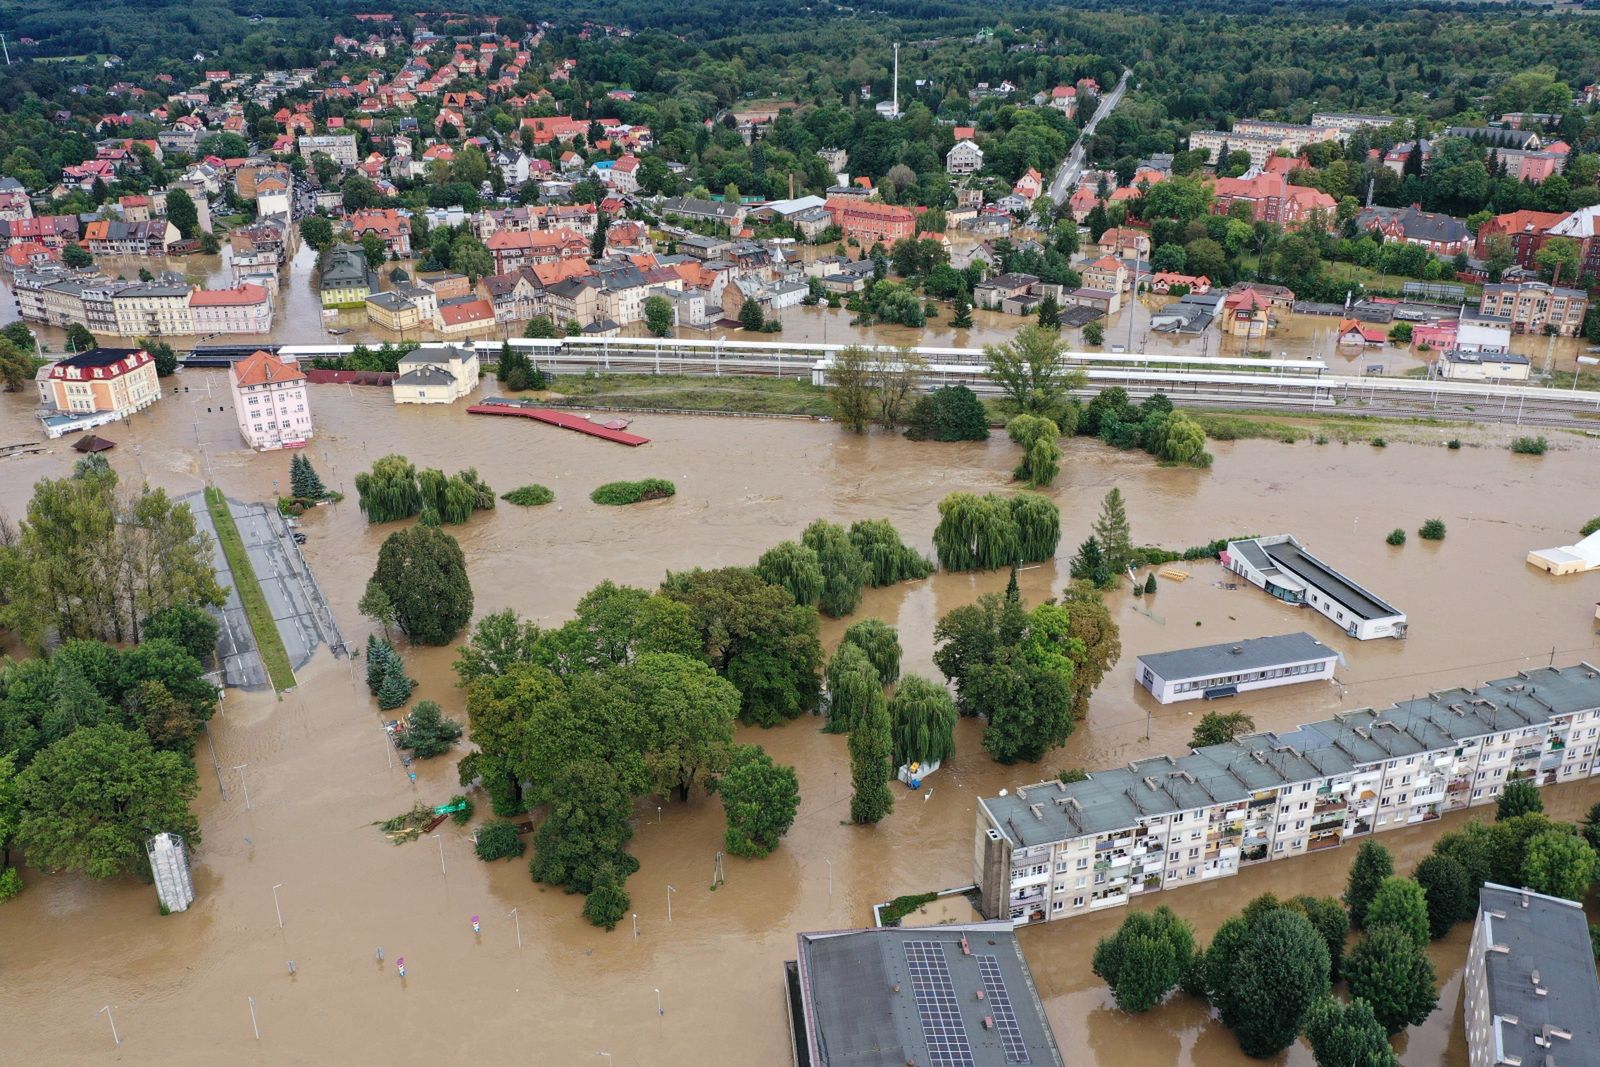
column 270, row 402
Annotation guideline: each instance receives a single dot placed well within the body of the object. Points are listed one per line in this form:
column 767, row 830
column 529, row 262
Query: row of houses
column 1055, row 850
column 165, row 306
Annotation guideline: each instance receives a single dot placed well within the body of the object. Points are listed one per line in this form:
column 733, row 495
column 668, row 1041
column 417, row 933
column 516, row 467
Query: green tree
column 541, row 326
column 1263, row 972
column 1218, row 728
column 182, row 213
column 1040, row 441
column 792, row 566
column 304, row 482
column 871, row 746
column 852, row 683
column 608, row 899
column 1399, row 902
column 1447, row 891
column 1558, row 258
column 1372, row 865
column 961, row 319
column 1519, row 797
column 1347, row 1035
column 1032, row 375
column 851, row 387
column 428, row 732
column 923, row 722
column 394, row 688
column 1145, row 959
column 376, row 605
column 1112, row 532
column 586, row 830
column 949, row 413
column 79, row 339
column 499, row 839
column 374, row 249
column 16, row 367
column 317, row 231
column 1089, row 564
column 89, row 801
column 1094, row 334
column 881, row 644
column 1474, row 847
column 1390, row 971
column 658, row 316
column 844, row 572
column 975, row 533
column 1559, row 864
column 750, row 316
column 188, row 626
column 166, row 358
column 757, row 637
column 469, row 256
column 424, row 574
column 685, row 714
column 760, row 798
column 889, row 560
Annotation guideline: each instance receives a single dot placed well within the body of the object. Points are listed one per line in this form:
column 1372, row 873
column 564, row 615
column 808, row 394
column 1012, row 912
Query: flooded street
column 320, row 772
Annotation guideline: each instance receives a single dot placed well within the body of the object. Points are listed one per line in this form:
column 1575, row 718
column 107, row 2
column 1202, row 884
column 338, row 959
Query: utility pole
column 3, row 45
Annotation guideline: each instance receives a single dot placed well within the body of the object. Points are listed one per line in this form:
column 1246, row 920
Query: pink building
column 270, row 402
column 243, row 309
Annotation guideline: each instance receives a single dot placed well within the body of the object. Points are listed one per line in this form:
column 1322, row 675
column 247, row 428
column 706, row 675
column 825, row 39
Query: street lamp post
column 518, row 920
column 244, row 782
column 659, row 1009
column 112, row 1020
column 636, row 926
column 670, row 891
column 253, row 1026
column 275, row 904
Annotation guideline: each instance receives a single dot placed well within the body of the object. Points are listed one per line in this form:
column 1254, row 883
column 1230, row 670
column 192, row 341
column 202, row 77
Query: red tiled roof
column 263, row 368
column 244, row 294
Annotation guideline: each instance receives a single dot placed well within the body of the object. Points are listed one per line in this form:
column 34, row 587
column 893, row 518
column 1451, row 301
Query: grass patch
column 667, row 392
column 528, row 496
column 1530, row 446
column 268, row 641
column 1221, row 426
column 900, row 907
column 633, row 492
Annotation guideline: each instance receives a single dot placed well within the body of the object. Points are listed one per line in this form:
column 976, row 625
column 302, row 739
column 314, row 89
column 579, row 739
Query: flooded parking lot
column 320, row 770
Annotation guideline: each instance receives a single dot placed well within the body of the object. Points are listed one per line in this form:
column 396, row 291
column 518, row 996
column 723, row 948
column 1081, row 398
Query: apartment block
column 1531, row 995
column 1055, row 849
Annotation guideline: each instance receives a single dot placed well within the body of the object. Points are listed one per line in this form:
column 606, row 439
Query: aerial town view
column 919, row 535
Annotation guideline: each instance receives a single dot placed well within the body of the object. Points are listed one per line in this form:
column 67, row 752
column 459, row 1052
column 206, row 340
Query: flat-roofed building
column 1530, row 993
column 1231, row 668
column 1280, row 565
column 953, row 994
column 1057, row 849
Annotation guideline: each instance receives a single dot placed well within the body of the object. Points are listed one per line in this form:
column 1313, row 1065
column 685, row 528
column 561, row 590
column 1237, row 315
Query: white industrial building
column 1282, row 567
column 1057, row 849
column 1569, row 559
column 1225, row 670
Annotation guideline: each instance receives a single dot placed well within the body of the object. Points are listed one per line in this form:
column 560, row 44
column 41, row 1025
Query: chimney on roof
column 1525, row 899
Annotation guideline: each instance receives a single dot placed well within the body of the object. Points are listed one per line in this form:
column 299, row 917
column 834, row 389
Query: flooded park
column 291, row 786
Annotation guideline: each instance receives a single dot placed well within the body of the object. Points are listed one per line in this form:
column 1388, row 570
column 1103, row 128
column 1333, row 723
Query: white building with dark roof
column 1530, row 993
column 1225, row 670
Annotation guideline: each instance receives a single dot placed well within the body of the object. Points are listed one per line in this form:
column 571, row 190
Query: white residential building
column 436, row 374
column 964, row 157
column 341, row 148
column 270, row 402
column 1056, row 849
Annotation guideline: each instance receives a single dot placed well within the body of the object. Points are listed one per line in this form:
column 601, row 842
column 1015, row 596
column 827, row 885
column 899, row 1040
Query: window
column 1083, row 863
column 1077, row 902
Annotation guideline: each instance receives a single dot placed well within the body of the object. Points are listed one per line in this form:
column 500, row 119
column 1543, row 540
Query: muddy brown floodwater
column 320, row 775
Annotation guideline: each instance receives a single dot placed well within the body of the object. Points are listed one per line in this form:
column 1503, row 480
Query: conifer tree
column 871, row 746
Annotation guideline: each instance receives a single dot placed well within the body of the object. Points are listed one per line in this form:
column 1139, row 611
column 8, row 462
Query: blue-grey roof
column 1547, row 937
column 1118, row 797
column 1252, row 654
column 859, row 994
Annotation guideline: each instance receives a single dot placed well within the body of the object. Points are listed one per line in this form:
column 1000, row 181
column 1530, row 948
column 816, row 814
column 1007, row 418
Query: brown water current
column 320, row 773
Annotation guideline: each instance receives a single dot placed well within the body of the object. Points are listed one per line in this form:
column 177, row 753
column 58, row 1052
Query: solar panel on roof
column 942, row 1028
column 1005, row 1019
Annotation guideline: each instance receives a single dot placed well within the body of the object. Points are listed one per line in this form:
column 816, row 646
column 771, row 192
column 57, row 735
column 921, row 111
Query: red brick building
column 868, row 220
column 1526, row 229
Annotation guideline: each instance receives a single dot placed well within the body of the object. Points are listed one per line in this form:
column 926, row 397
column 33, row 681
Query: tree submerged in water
column 985, row 532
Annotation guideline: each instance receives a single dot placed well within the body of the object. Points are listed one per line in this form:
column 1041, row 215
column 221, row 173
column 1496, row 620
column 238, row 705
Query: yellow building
column 436, row 374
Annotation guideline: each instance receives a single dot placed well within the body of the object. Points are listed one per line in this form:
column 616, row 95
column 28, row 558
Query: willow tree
column 922, row 721
column 871, row 764
column 1031, row 373
column 888, row 559
column 853, row 682
column 975, row 533
column 844, row 572
column 852, row 394
column 881, row 644
column 1041, row 449
column 1038, row 525
column 794, row 567
column 389, row 491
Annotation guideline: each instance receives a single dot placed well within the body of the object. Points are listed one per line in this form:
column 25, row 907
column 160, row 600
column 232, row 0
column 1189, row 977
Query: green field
column 273, row 654
column 755, row 396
